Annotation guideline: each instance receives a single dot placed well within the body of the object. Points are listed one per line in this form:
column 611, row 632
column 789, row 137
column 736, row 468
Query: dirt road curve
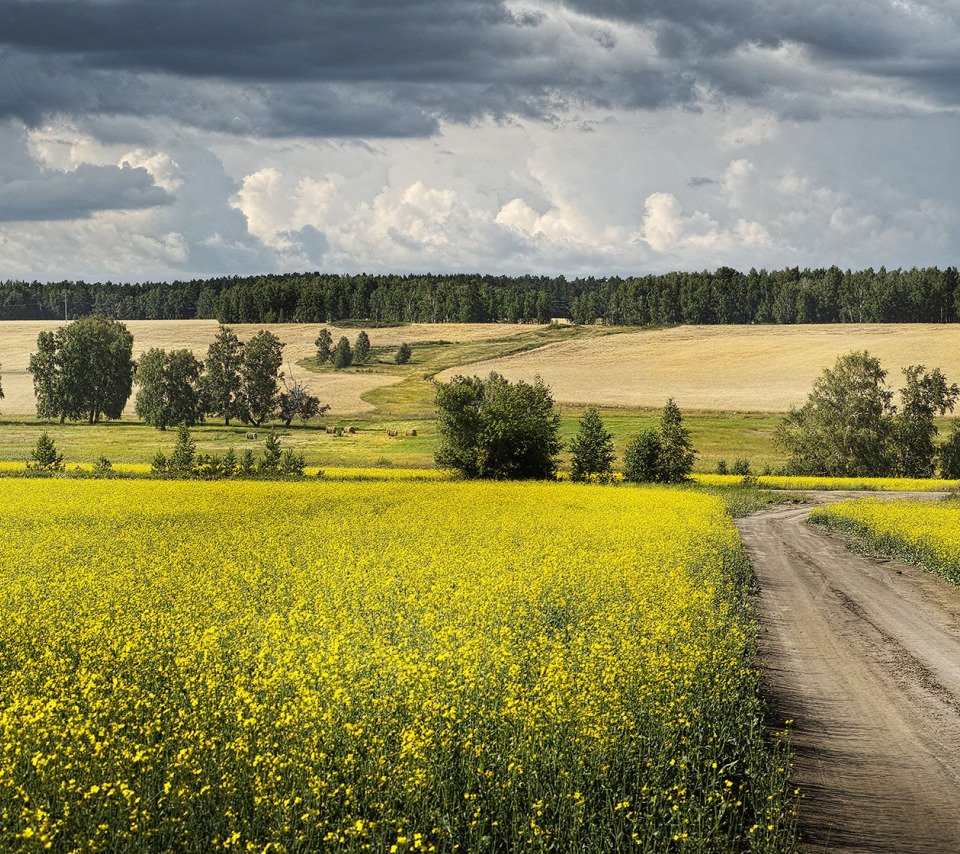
column 864, row 655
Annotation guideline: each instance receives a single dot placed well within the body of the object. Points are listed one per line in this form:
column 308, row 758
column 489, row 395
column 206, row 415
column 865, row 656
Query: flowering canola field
column 813, row 482
column 922, row 532
column 377, row 666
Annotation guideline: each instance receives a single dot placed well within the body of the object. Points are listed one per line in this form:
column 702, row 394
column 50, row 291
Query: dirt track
column 864, row 655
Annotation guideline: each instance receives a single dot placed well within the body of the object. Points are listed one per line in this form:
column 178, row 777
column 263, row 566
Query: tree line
column 496, row 429
column 85, row 371
column 724, row 296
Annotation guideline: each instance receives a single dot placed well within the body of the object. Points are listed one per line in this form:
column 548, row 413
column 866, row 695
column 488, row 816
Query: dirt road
column 864, row 655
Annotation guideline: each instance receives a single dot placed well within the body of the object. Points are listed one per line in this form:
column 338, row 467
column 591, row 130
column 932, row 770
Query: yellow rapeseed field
column 922, row 532
column 378, row 666
column 879, row 484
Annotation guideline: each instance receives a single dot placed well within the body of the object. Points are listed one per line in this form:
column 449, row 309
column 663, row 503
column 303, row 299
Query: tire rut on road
column 864, row 656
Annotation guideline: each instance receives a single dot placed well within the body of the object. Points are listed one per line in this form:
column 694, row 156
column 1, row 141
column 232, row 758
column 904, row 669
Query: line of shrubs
column 184, row 461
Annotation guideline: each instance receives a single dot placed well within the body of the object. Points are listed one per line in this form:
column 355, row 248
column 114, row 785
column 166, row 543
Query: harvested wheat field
column 726, row 368
column 18, row 339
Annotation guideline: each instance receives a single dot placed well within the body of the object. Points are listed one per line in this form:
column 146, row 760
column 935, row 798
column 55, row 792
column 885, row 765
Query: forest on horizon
column 724, row 296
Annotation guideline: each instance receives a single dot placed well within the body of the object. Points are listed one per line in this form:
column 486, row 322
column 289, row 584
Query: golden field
column 842, row 484
column 721, row 368
column 342, row 390
column 921, row 532
column 388, row 667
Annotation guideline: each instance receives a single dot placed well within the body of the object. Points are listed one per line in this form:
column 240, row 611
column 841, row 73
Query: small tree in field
column 297, row 402
column 270, row 460
column 361, row 348
column 44, row 456
column 404, row 353
column 184, row 451
column 324, row 345
column 641, row 461
column 342, row 356
column 676, row 449
column 592, row 448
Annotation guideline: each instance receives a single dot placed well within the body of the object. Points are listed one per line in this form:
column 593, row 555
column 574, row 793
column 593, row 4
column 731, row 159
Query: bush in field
column 292, row 464
column 741, row 467
column 404, row 354
column 722, row 467
column 592, row 448
column 361, row 349
column 45, row 457
column 102, row 467
column 641, row 462
column 247, row 463
column 491, row 428
column 948, row 456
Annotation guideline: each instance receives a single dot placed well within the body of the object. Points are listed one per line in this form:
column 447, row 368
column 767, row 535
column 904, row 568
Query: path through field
column 864, row 655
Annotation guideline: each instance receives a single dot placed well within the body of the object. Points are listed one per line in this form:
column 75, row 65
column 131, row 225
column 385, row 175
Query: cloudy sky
column 145, row 139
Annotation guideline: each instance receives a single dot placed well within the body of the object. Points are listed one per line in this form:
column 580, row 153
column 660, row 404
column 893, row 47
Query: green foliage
column 270, row 459
column 44, row 457
column 925, row 396
column 361, row 348
column 184, row 452
column 844, row 429
column 592, row 448
column 324, row 345
column 404, row 354
column 292, row 464
column 160, row 464
column 676, row 450
column 741, row 467
column 722, row 467
column 83, row 370
column 248, row 463
column 169, row 392
column 230, row 462
column 102, row 466
column 641, row 461
column 948, row 455
column 221, row 382
column 661, row 456
column 491, row 428
column 260, row 376
column 849, row 426
column 342, row 355
column 297, row 402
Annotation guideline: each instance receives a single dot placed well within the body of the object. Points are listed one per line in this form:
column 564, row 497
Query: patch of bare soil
column 864, row 655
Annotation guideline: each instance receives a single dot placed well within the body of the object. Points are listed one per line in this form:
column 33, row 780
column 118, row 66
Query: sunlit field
column 389, row 667
column 853, row 484
column 922, row 532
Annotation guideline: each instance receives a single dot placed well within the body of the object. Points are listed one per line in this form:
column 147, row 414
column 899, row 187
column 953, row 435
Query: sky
column 172, row 139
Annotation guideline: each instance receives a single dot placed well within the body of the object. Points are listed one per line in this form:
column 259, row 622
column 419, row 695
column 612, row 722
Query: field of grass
column 922, row 532
column 723, row 368
column 389, row 667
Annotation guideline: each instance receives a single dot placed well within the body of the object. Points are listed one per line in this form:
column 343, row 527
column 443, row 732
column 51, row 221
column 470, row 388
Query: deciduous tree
column 169, row 392
column 492, row 428
column 221, row 382
column 260, row 376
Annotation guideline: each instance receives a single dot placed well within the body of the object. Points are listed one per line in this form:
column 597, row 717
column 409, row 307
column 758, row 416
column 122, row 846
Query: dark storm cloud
column 77, row 194
column 394, row 68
